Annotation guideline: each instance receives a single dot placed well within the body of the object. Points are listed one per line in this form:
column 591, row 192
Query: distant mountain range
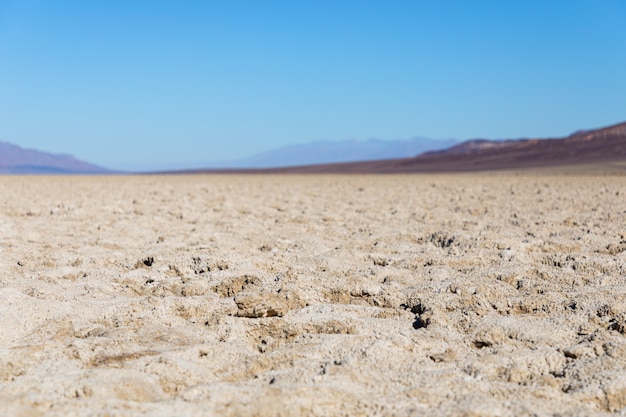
column 604, row 146
column 17, row 160
column 327, row 152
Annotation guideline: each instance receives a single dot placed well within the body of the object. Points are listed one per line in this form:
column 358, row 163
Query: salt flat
column 313, row 295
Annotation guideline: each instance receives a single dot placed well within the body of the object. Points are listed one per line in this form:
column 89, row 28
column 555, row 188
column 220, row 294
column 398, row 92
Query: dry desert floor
column 412, row 295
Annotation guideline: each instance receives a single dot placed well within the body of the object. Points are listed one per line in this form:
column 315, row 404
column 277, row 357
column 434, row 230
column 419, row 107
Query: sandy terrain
column 320, row 295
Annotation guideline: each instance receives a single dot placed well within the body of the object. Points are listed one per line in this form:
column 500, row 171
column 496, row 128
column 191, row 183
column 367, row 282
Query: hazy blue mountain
column 600, row 150
column 17, row 160
column 325, row 152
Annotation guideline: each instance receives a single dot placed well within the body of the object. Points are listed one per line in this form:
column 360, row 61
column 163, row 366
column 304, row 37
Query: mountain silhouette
column 326, row 152
column 604, row 146
column 17, row 160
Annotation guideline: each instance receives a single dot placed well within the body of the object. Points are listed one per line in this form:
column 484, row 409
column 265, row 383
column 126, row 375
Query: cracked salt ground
column 313, row 295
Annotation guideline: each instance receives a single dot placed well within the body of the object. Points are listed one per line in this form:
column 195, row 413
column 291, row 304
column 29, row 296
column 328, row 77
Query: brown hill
column 598, row 150
column 605, row 146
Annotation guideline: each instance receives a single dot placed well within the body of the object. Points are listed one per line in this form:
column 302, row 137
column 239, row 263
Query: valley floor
column 313, row 295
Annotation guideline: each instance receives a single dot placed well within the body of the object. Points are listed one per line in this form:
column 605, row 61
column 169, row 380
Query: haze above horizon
column 160, row 85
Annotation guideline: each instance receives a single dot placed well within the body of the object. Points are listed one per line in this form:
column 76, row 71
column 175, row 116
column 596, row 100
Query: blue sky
column 163, row 84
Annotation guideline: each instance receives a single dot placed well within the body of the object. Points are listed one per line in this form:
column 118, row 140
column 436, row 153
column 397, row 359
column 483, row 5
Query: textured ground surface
column 320, row 295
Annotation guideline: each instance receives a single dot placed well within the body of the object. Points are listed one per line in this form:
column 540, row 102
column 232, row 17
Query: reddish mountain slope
column 600, row 146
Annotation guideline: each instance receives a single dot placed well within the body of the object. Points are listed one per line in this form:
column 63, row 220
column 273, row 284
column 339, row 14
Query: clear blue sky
column 162, row 84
